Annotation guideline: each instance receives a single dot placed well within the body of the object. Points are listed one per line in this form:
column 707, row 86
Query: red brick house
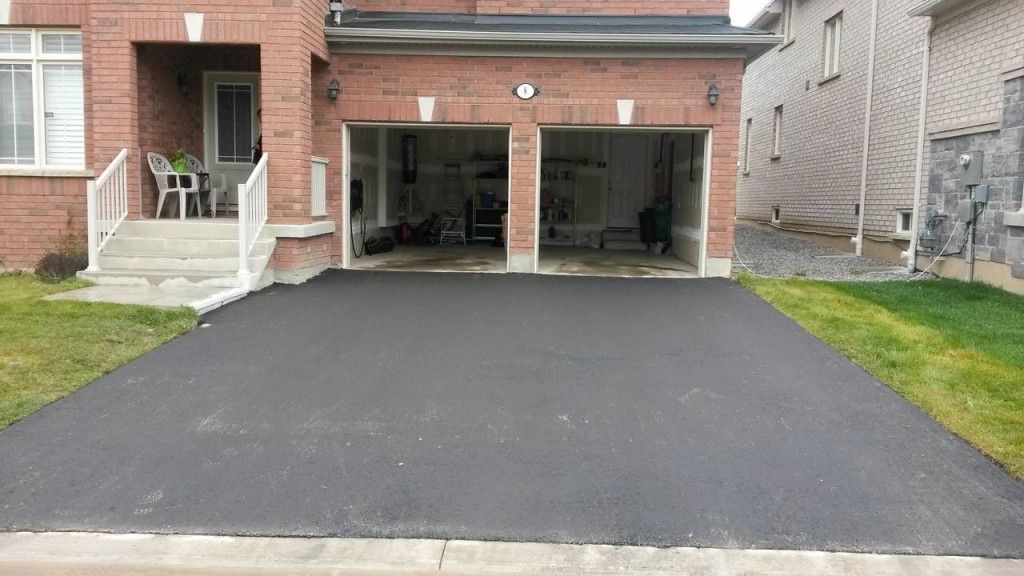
column 566, row 118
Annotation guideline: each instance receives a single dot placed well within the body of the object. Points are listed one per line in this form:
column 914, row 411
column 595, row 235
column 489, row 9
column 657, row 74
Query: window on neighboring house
column 42, row 110
column 833, row 43
column 904, row 221
column 777, row 133
column 787, row 21
column 746, row 145
column 776, row 214
column 235, row 122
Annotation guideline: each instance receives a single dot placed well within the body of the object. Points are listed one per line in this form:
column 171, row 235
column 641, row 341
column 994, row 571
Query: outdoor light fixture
column 713, row 94
column 184, row 86
column 333, row 89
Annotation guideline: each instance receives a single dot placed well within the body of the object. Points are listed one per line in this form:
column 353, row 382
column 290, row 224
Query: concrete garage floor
column 627, row 263
column 469, row 258
column 512, row 408
column 553, row 260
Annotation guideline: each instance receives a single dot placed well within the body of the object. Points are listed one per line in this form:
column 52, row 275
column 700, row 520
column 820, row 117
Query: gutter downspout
column 911, row 253
column 858, row 241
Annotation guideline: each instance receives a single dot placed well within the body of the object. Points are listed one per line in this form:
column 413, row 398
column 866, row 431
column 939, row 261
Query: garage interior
column 433, row 198
column 621, row 202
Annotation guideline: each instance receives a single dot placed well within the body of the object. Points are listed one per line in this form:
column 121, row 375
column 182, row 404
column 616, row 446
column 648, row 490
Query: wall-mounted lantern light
column 333, row 89
column 184, row 85
column 713, row 94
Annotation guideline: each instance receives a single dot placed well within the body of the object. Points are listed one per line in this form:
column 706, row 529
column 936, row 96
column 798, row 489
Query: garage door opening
column 430, row 199
column 621, row 202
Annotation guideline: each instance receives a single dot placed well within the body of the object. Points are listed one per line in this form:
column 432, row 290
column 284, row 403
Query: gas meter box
column 965, row 212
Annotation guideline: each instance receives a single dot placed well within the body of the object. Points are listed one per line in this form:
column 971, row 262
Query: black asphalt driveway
column 656, row 412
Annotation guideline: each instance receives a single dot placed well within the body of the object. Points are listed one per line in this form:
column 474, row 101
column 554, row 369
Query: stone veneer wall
column 1003, row 172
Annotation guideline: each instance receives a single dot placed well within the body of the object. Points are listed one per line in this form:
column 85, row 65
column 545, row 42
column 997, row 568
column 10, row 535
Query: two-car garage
column 606, row 201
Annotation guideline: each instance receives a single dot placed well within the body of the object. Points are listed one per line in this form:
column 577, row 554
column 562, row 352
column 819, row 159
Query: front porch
column 198, row 228
column 203, row 101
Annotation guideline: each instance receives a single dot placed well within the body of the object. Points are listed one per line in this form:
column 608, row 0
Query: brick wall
column 816, row 182
column 970, row 50
column 713, row 7
column 35, row 213
column 478, row 90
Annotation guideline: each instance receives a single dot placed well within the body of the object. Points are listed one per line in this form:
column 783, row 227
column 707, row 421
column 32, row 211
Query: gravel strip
column 768, row 252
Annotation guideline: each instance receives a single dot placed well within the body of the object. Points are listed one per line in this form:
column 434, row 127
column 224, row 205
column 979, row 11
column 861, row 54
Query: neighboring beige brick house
column 815, row 182
column 855, row 145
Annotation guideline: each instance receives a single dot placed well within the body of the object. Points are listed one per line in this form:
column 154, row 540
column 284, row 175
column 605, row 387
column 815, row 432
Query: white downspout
column 858, row 241
column 911, row 254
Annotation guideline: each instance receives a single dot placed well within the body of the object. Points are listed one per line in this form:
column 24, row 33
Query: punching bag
column 409, row 159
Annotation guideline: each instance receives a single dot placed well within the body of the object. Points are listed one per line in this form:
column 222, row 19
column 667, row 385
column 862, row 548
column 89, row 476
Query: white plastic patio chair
column 167, row 180
column 218, row 183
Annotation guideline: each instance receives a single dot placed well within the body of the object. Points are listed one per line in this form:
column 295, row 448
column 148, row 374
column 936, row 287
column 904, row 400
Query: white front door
column 627, row 179
column 231, row 101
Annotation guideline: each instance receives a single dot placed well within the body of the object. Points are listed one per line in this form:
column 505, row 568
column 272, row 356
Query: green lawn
column 50, row 349
column 954, row 349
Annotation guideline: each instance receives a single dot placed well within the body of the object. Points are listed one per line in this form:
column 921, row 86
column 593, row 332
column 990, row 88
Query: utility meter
column 970, row 168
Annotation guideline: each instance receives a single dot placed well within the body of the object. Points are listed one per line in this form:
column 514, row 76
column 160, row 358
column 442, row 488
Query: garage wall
column 575, row 92
column 687, row 193
column 364, row 164
column 435, row 148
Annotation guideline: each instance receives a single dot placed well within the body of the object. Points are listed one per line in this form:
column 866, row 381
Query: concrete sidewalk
column 202, row 299
column 83, row 554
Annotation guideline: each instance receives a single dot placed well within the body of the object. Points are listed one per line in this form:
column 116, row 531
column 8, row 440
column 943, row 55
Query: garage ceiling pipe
column 858, row 241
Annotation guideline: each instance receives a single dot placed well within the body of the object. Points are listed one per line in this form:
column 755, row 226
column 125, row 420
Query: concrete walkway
column 83, row 554
column 200, row 298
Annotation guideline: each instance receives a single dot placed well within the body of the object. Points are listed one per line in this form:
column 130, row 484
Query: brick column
column 522, row 233
column 286, row 93
column 113, row 112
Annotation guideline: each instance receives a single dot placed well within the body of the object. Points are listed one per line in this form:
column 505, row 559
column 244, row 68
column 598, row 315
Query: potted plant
column 179, row 162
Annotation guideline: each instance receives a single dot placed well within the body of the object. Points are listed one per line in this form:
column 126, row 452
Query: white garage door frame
column 346, row 179
column 702, row 265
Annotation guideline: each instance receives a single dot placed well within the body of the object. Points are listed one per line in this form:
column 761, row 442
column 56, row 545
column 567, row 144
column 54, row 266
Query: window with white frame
column 904, row 221
column 787, row 21
column 746, row 145
column 235, row 122
column 42, row 109
column 833, row 43
column 777, row 133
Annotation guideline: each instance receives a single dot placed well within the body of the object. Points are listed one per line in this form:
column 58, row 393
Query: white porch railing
column 318, row 186
column 106, row 206
column 252, row 213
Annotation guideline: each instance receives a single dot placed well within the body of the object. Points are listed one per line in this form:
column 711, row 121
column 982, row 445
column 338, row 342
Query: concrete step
column 220, row 264
column 164, row 278
column 179, row 229
column 622, row 239
column 122, row 245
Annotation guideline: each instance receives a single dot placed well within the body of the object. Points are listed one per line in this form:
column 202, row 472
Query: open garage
column 621, row 202
column 427, row 198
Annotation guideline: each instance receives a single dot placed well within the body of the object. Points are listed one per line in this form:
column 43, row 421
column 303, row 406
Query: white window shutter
column 64, row 114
